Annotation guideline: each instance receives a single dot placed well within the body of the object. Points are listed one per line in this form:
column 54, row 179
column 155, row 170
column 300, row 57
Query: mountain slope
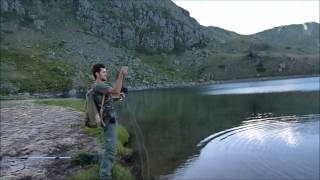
column 158, row 40
column 306, row 34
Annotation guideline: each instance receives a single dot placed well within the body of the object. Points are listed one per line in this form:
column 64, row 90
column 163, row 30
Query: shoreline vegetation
column 27, row 95
column 90, row 170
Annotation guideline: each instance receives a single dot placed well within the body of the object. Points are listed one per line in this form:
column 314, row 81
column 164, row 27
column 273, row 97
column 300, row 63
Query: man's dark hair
column 96, row 68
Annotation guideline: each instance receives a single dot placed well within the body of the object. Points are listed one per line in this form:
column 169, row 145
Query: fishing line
column 138, row 141
column 46, row 157
column 143, row 146
column 140, row 138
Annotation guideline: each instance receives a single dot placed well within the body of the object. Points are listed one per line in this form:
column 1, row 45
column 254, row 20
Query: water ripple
column 283, row 147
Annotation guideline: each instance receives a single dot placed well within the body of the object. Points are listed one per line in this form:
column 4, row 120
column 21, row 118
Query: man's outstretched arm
column 116, row 89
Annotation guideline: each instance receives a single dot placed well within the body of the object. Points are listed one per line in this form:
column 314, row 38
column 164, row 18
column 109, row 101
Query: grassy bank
column 33, row 73
column 91, row 172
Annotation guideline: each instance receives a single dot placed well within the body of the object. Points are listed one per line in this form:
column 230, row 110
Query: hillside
column 50, row 46
column 306, row 34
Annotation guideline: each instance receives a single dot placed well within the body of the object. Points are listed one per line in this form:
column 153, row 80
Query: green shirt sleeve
column 102, row 87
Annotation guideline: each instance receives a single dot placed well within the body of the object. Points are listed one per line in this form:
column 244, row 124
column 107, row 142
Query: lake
column 241, row 130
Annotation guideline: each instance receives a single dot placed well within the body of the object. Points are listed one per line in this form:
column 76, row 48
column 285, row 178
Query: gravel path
column 29, row 129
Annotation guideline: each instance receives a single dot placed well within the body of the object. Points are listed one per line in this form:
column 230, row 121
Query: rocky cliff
column 147, row 25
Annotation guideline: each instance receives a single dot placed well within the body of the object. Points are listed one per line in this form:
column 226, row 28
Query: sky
column 251, row 16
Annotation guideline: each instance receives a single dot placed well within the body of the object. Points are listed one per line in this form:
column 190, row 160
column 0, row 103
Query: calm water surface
column 250, row 130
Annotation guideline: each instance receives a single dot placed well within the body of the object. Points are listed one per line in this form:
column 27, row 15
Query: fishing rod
column 44, row 157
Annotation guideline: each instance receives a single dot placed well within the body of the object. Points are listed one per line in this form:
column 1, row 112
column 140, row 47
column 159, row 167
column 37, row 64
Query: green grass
column 120, row 172
column 96, row 133
column 123, row 138
column 162, row 68
column 92, row 172
column 123, row 135
column 89, row 173
column 34, row 73
column 76, row 104
column 12, row 97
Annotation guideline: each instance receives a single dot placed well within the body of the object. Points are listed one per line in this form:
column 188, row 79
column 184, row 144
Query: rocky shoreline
column 29, row 129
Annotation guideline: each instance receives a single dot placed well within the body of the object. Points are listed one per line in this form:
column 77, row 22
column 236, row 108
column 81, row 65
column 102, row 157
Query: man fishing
column 100, row 88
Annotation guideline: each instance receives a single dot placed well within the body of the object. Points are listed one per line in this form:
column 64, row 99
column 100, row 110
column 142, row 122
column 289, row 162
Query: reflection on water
column 189, row 135
column 265, row 148
column 268, row 86
column 252, row 127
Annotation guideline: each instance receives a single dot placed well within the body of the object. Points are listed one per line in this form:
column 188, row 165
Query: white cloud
column 248, row 17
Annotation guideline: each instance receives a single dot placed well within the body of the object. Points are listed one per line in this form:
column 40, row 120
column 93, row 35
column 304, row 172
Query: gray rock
column 72, row 93
column 40, row 24
column 152, row 26
column 29, row 129
column 282, row 65
column 8, row 87
column 12, row 5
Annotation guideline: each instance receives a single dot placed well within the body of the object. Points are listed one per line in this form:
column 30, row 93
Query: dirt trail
column 29, row 129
